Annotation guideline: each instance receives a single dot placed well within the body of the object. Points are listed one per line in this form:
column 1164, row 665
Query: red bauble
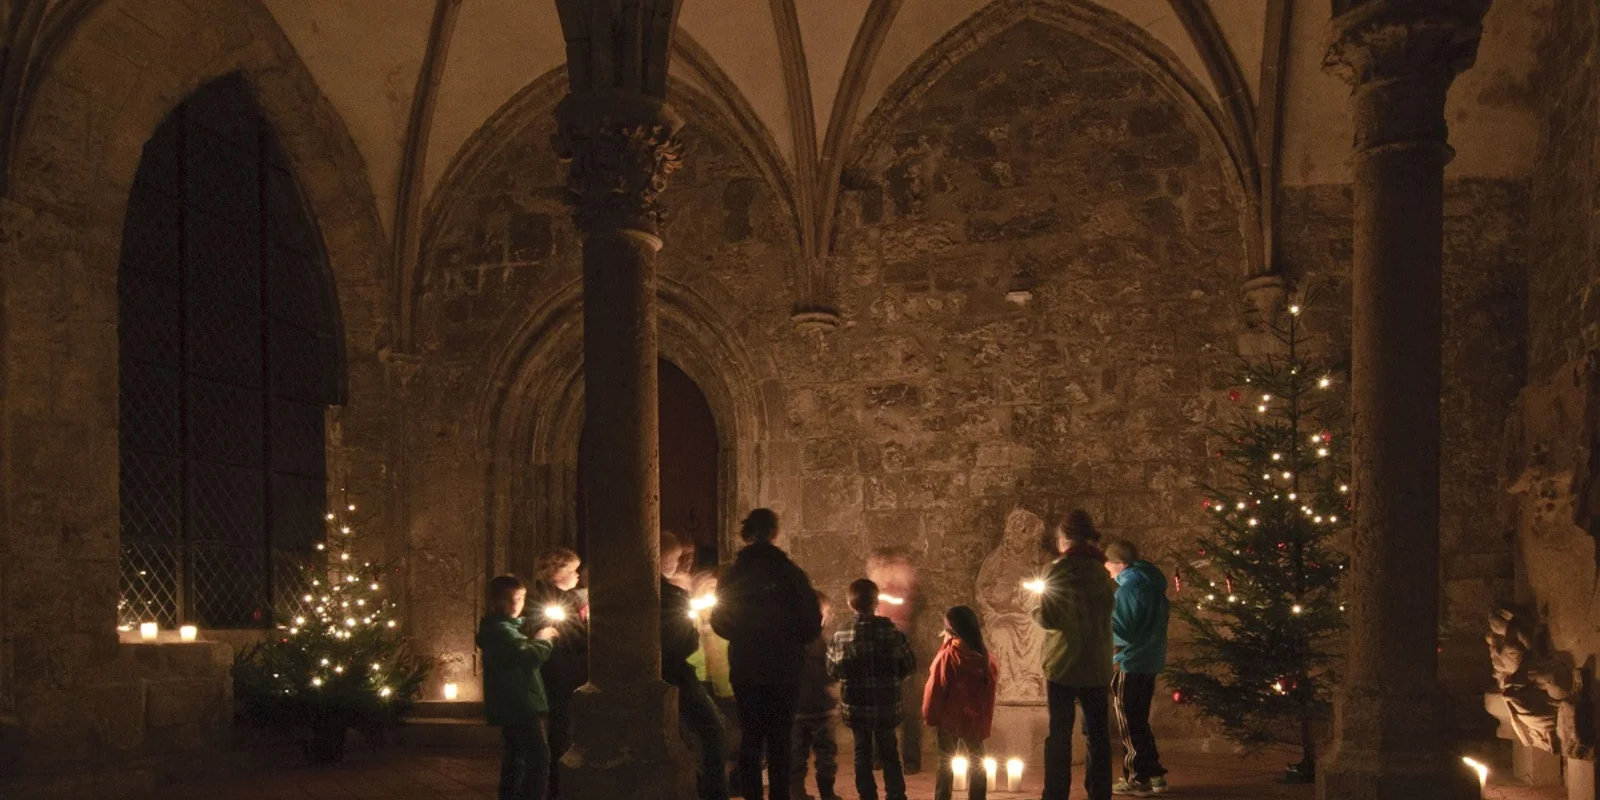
column 1206, row 503
column 1180, row 698
column 1233, row 394
column 1327, row 437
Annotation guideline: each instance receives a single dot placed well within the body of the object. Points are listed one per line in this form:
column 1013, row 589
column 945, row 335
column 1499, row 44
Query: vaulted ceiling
column 812, row 71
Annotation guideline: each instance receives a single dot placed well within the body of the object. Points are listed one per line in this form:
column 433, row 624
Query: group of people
column 1104, row 613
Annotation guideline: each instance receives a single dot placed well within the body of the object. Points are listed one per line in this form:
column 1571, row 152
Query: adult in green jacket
column 1075, row 611
column 1139, row 630
column 513, row 694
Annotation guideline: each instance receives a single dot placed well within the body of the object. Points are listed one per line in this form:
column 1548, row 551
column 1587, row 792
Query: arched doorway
column 689, row 465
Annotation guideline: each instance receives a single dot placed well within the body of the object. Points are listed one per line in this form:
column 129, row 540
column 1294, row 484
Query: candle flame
column 450, row 691
column 1480, row 768
column 1036, row 586
column 555, row 613
column 959, row 765
column 892, row 600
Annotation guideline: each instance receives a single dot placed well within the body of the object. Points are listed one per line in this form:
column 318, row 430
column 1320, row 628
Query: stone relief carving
column 1543, row 693
column 620, row 152
column 1008, row 628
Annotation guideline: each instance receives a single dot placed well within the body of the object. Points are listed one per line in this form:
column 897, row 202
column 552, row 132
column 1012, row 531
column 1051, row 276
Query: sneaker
column 1128, row 788
column 1158, row 785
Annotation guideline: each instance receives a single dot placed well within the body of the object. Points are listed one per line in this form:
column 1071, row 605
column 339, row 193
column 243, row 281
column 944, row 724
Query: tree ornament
column 1233, row 395
column 1180, row 698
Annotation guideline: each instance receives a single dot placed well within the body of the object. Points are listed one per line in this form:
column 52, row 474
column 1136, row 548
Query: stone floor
column 402, row 774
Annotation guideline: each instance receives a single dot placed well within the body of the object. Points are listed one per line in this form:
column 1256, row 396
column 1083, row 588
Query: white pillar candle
column 148, row 631
column 991, row 768
column 450, row 691
column 959, row 765
column 1014, row 775
column 188, row 633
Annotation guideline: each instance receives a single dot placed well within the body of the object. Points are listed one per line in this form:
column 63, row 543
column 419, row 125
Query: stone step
column 448, row 709
column 448, row 732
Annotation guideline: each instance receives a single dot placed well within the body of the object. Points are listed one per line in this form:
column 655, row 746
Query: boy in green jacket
column 1075, row 612
column 513, row 695
column 1139, row 630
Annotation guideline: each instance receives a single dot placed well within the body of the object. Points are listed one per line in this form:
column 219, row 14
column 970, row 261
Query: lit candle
column 892, row 600
column 148, row 631
column 991, row 768
column 188, row 633
column 450, row 691
column 958, row 765
column 555, row 613
column 1036, row 586
column 1482, row 770
column 1014, row 775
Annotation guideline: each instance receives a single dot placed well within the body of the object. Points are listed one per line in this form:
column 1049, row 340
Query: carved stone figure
column 1008, row 629
column 1543, row 693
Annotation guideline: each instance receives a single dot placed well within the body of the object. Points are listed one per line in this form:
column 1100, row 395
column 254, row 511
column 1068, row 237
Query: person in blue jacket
column 1139, row 633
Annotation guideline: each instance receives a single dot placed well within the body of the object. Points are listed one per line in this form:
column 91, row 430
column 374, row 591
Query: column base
column 626, row 743
column 1388, row 747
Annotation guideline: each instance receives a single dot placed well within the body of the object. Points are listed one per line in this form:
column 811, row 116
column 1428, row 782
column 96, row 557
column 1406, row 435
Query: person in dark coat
column 768, row 612
column 557, row 601
column 680, row 638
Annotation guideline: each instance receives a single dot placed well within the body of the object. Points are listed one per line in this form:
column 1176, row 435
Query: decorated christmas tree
column 336, row 660
column 1261, row 594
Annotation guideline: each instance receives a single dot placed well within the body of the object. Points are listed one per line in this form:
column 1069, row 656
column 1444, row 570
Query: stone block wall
column 131, row 717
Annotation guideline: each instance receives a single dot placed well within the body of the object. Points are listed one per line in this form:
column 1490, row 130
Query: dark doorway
column 689, row 468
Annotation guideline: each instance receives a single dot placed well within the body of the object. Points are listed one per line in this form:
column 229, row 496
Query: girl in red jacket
column 959, row 700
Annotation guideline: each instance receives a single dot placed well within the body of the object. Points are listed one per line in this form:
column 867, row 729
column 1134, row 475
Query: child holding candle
column 513, row 695
column 869, row 659
column 556, row 589
column 814, row 717
column 958, row 701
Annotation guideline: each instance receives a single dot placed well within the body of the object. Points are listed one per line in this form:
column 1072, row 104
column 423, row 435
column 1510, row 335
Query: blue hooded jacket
column 1139, row 619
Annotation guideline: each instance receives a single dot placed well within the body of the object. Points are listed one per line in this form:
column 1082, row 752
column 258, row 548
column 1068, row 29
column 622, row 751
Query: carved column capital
column 620, row 149
column 1380, row 40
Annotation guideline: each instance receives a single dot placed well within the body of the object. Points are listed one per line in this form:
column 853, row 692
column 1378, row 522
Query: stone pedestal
column 626, row 743
column 1400, row 56
column 1580, row 780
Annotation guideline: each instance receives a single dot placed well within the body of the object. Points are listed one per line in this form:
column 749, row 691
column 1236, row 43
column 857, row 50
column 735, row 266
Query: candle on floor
column 1482, row 770
column 148, row 631
column 450, row 691
column 188, row 633
column 991, row 768
column 1014, row 775
column 958, row 765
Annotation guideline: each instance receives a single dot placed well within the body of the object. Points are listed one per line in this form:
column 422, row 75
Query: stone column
column 1400, row 56
column 626, row 743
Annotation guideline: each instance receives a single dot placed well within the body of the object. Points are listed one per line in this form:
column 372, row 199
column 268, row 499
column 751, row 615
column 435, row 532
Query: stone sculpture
column 1543, row 693
column 1008, row 628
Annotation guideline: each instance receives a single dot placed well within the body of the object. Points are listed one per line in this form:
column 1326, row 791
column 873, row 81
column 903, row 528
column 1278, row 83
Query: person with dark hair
column 768, row 612
column 1075, row 611
column 680, row 638
column 513, row 695
column 870, row 658
column 1139, row 632
column 556, row 600
column 958, row 701
column 815, row 714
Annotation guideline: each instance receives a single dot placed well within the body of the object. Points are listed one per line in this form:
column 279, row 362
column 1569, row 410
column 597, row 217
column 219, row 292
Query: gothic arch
column 1106, row 29
column 99, row 99
column 533, row 415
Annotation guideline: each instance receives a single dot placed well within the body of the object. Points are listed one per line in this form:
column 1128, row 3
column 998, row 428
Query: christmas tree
column 336, row 660
column 1262, row 595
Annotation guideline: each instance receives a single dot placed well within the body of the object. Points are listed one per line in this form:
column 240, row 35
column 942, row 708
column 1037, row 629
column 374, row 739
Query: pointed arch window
column 229, row 358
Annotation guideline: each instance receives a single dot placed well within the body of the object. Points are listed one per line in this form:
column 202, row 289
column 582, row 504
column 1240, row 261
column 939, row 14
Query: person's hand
column 547, row 634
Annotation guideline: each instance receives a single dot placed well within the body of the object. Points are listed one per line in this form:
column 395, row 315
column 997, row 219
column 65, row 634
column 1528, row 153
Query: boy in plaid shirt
column 869, row 659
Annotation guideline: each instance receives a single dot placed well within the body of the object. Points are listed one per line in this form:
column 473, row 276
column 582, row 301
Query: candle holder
column 188, row 633
column 148, row 631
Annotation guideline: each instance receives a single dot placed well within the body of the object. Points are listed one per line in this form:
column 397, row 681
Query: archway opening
column 689, row 466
